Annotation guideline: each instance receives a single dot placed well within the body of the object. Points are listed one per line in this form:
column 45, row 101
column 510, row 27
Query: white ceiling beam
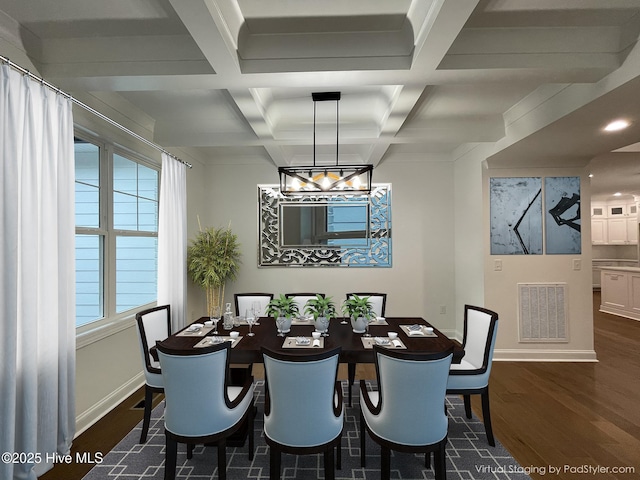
column 212, row 25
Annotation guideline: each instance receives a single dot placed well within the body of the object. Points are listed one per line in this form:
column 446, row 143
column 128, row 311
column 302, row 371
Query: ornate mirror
column 324, row 230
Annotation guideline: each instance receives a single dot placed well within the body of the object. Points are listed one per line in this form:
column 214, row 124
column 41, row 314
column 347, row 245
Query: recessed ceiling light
column 616, row 125
column 591, row 175
column 617, row 194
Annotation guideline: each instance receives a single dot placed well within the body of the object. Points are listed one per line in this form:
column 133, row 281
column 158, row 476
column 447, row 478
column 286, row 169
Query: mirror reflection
column 324, row 224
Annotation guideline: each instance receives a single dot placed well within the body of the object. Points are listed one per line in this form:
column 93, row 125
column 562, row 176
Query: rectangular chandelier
column 315, row 180
column 319, row 179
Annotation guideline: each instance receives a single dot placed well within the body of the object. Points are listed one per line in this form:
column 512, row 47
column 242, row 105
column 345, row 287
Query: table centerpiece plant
column 323, row 310
column 282, row 308
column 213, row 258
column 359, row 310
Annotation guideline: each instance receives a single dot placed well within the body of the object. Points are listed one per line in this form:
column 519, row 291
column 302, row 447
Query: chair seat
column 463, row 365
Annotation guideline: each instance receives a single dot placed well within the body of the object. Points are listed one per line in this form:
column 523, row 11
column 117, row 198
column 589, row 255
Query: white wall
column 501, row 286
column 421, row 279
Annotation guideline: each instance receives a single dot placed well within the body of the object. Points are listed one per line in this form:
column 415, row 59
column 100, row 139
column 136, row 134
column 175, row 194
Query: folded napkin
column 396, row 343
column 380, row 319
column 415, row 330
column 302, row 341
column 316, row 342
column 381, row 341
column 195, row 327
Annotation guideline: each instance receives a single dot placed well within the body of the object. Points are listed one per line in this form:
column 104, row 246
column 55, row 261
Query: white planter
column 286, row 326
column 359, row 324
column 322, row 324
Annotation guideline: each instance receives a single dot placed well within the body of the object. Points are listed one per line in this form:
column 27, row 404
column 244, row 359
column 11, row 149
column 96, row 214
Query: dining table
column 412, row 336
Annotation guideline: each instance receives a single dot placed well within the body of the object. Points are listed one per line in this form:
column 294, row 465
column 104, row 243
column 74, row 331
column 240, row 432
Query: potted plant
column 213, row 258
column 322, row 309
column 359, row 309
column 282, row 308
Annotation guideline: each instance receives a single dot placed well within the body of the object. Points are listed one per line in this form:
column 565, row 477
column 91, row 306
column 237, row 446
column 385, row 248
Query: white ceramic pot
column 359, row 324
column 322, row 324
column 286, row 325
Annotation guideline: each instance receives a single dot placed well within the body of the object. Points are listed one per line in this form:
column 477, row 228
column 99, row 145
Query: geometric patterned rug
column 469, row 456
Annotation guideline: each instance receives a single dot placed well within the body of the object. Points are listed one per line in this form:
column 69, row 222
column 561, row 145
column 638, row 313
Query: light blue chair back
column 153, row 326
column 410, row 398
column 244, row 302
column 378, row 302
column 302, row 399
column 301, row 299
column 198, row 400
column 481, row 330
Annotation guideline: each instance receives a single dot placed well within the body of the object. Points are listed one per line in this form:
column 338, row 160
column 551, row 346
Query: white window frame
column 111, row 322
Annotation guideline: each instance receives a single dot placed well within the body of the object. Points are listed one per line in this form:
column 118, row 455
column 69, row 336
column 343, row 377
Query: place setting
column 195, row 330
column 390, row 341
column 315, row 341
column 420, row 331
column 233, row 337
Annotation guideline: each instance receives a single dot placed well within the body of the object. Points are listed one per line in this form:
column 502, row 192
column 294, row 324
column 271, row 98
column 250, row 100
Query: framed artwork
column 516, row 215
column 562, row 215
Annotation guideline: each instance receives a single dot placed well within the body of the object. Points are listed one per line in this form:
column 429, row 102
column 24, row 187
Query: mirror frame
column 272, row 254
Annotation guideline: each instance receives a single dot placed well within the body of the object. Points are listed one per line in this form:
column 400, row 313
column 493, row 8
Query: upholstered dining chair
column 303, row 407
column 378, row 301
column 471, row 375
column 301, row 299
column 244, row 301
column 154, row 324
column 406, row 412
column 201, row 407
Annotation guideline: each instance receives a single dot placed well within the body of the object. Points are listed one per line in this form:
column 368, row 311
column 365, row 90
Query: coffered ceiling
column 228, row 80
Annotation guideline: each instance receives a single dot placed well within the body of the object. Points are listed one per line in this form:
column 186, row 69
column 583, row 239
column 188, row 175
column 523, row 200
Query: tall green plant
column 213, row 258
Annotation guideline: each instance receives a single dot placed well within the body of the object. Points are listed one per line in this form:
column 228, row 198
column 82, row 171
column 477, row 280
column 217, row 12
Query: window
column 116, row 232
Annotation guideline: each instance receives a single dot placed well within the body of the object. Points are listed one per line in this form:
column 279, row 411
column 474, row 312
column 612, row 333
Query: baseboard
column 544, row 355
column 620, row 312
column 90, row 416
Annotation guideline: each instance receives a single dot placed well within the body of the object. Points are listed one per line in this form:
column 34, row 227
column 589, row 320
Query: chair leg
column 171, row 455
column 329, row 471
column 427, row 460
column 222, row 459
column 440, row 462
column 362, row 440
column 148, row 400
column 351, row 375
column 385, row 463
column 190, row 447
column 339, row 453
column 467, row 405
column 251, row 433
column 486, row 416
column 274, row 463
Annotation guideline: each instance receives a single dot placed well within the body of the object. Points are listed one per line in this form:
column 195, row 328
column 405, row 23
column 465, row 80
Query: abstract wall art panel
column 562, row 215
column 516, row 215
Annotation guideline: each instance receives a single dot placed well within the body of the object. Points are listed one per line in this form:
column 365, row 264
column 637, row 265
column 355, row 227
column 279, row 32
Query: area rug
column 469, row 456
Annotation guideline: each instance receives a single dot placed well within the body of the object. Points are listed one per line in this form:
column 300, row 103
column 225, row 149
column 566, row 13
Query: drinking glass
column 280, row 323
column 367, row 320
column 257, row 311
column 215, row 318
column 251, row 322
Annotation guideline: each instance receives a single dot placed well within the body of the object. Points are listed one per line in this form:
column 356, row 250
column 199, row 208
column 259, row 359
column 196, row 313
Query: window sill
column 103, row 329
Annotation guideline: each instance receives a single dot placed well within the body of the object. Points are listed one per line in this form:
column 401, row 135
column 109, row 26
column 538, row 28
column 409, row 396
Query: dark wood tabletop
column 247, row 350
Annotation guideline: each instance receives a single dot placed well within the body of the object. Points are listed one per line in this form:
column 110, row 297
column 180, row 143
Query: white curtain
column 37, row 276
column 172, row 240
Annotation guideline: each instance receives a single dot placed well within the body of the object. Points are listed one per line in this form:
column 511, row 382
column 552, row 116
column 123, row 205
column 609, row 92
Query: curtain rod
column 26, row 72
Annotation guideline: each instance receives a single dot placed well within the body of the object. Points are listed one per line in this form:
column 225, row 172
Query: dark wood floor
column 571, row 416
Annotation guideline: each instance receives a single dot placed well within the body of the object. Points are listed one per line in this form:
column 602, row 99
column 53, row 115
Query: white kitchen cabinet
column 621, row 291
column 614, row 224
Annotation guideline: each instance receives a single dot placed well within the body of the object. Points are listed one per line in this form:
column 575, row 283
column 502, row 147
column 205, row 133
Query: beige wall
column 419, row 282
column 501, row 286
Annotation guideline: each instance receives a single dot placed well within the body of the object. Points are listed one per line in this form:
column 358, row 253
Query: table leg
column 351, row 375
